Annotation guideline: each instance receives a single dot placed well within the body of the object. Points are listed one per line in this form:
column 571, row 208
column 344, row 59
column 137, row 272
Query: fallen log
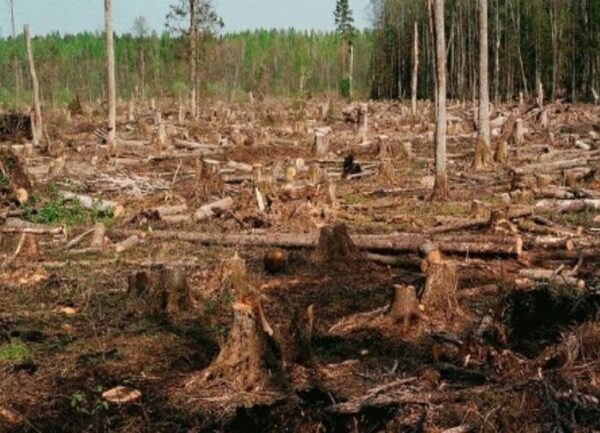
column 92, row 203
column 210, row 210
column 550, row 276
column 567, row 205
column 398, row 243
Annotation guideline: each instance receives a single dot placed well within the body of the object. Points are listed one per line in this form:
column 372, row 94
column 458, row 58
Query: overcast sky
column 72, row 16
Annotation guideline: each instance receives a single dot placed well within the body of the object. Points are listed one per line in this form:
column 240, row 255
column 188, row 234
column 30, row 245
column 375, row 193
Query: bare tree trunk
column 497, row 56
column 440, row 191
column 111, row 84
column 415, row 71
column 555, row 48
column 351, row 71
column 37, row 125
column 483, row 152
column 518, row 30
column 193, row 59
column 15, row 57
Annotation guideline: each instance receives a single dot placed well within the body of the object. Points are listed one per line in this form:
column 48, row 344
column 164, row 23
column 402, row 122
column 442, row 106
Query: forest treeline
column 265, row 62
column 554, row 43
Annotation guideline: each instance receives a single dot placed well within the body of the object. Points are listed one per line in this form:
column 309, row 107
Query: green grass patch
column 56, row 210
column 15, row 351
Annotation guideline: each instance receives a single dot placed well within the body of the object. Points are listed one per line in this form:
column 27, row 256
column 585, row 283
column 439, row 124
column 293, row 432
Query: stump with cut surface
column 405, row 305
column 336, row 246
column 250, row 359
column 439, row 294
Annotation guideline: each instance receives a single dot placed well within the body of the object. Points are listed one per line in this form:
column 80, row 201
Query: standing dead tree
column 37, row 127
column 111, row 84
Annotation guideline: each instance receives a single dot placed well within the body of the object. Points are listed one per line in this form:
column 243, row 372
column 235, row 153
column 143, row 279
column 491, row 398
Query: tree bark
column 415, row 71
column 37, row 125
column 193, row 59
column 111, row 84
column 483, row 151
column 440, row 191
column 15, row 57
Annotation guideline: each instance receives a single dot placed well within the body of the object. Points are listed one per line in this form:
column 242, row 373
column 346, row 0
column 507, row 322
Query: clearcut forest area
column 394, row 229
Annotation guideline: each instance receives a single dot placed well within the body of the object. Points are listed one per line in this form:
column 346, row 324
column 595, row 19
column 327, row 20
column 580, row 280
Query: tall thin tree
column 111, row 83
column 440, row 189
column 344, row 22
column 37, row 126
column 16, row 69
column 483, row 153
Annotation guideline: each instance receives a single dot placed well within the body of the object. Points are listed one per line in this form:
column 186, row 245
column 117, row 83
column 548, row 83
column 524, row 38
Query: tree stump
column 386, row 173
column 384, row 147
column 250, row 359
column 171, row 293
column 321, row 143
column 519, row 132
column 439, row 294
column 363, row 123
column 501, row 156
column 405, row 305
column 139, row 284
column 336, row 246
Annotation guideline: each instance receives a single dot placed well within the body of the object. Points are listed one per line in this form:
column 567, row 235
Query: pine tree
column 344, row 22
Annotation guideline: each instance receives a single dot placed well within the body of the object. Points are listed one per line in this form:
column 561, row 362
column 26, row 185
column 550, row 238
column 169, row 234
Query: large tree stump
column 336, row 246
column 439, row 294
column 250, row 359
column 167, row 292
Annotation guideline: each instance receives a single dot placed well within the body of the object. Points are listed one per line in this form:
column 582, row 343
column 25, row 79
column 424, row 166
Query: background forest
column 553, row 42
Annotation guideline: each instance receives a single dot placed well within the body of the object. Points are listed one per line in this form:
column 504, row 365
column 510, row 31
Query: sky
column 72, row 16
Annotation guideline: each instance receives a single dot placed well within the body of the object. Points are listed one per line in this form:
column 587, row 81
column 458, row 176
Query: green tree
column 344, row 22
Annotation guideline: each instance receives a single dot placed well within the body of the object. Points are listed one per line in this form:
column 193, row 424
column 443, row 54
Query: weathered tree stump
column 386, row 173
column 250, row 359
column 321, row 142
column 405, row 305
column 169, row 293
column 439, row 294
column 384, row 147
column 336, row 246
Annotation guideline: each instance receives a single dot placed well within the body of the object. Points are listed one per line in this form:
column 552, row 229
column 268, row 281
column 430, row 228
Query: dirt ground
column 518, row 353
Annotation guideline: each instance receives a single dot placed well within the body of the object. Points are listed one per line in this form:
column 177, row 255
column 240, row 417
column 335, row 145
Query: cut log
column 394, row 243
column 127, row 244
column 562, row 206
column 95, row 204
column 212, row 209
column 552, row 277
